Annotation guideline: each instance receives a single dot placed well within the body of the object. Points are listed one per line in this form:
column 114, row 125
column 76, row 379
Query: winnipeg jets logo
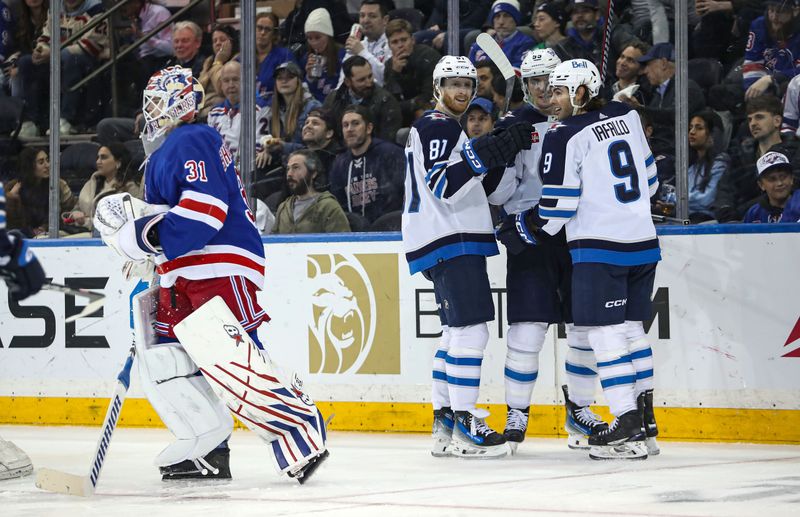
column 435, row 115
column 234, row 333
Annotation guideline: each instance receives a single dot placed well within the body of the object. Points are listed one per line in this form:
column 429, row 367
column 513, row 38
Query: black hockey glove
column 23, row 274
column 498, row 148
column 515, row 233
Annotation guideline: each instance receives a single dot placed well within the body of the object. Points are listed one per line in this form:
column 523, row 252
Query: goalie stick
column 495, row 53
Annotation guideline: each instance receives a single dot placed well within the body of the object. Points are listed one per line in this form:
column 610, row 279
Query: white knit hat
column 319, row 20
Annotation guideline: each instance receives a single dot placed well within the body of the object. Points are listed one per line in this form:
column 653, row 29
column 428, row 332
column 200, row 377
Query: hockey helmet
column 172, row 96
column 536, row 63
column 453, row 66
column 575, row 73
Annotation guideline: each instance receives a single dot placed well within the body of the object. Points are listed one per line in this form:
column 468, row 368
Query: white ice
column 394, row 474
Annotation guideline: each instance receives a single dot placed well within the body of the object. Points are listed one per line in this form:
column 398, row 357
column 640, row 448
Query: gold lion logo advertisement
column 355, row 324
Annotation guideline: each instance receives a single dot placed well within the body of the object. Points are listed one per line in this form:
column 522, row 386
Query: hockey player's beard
column 454, row 107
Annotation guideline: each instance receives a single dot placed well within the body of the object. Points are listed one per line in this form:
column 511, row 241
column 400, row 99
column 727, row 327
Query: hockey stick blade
column 495, row 53
column 87, row 310
column 84, row 486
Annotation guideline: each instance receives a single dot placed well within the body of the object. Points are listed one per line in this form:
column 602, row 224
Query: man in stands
column 628, row 72
column 374, row 47
column 585, row 38
column 479, row 117
column 486, row 70
column 504, row 18
column 319, row 135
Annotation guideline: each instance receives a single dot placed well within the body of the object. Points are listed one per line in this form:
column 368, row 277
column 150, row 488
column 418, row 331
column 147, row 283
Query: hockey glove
column 21, row 269
column 515, row 235
column 496, row 149
column 122, row 227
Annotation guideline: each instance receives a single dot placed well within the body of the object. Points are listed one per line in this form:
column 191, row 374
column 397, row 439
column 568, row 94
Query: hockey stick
column 84, row 486
column 96, row 300
column 606, row 41
column 495, row 53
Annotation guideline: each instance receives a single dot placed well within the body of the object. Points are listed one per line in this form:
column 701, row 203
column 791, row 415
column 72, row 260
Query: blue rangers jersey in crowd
column 598, row 175
column 520, row 187
column 446, row 213
column 3, row 238
column 763, row 212
column 209, row 231
column 514, row 47
column 763, row 55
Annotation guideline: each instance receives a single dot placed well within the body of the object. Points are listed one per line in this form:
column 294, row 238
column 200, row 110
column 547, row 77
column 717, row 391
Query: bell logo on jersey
column 350, row 294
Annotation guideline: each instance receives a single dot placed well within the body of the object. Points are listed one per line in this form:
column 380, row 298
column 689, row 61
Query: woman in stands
column 28, row 198
column 706, row 166
column 225, row 43
column 114, row 174
column 323, row 60
column 280, row 122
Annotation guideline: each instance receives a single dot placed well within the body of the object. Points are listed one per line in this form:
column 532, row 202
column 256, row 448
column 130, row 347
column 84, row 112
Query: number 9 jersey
column 598, row 174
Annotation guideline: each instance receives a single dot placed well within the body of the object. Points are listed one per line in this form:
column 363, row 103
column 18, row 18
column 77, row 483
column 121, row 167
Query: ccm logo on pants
column 616, row 303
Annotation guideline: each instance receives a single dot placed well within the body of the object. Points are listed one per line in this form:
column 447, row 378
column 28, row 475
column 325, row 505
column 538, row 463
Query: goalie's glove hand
column 21, row 269
column 498, row 148
column 121, row 228
column 515, row 233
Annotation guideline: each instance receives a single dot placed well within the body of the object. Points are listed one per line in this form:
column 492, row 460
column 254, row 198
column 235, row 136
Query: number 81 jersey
column 598, row 175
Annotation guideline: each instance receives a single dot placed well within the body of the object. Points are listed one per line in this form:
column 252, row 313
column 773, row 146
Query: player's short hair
column 359, row 110
column 352, row 61
column 380, row 3
column 188, row 24
column 398, row 25
column 766, row 102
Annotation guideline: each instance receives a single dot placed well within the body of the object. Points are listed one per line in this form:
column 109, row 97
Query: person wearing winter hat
column 549, row 20
column 268, row 53
column 504, row 18
column 585, row 37
column 324, row 57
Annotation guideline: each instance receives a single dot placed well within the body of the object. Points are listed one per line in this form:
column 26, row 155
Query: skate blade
column 441, row 448
column 578, row 442
column 461, row 449
column 652, row 447
column 512, row 447
column 308, row 469
column 622, row 451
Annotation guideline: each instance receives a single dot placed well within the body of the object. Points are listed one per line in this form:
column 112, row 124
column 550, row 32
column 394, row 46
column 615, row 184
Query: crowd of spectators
column 336, row 92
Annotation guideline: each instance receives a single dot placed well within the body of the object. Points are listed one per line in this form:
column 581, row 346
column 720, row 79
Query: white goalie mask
column 172, row 96
column 453, row 66
column 575, row 73
column 537, row 63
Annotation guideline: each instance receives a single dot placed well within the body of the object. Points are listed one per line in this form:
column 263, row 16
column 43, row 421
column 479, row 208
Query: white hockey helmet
column 575, row 73
column 453, row 66
column 536, row 63
column 172, row 95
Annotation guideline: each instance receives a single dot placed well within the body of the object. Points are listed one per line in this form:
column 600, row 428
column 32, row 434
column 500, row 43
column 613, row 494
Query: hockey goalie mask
column 452, row 67
column 537, row 63
column 172, row 96
column 573, row 74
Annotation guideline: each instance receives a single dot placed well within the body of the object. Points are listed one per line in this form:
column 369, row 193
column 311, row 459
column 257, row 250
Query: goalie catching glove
column 498, row 148
column 129, row 225
column 517, row 233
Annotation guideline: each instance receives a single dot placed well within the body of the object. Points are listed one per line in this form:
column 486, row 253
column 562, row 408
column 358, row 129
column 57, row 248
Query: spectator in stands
column 628, row 72
column 791, row 107
column 499, row 93
column 659, row 67
column 409, row 71
column 28, row 198
column 114, row 174
column 549, row 20
column 373, row 44
column 504, row 18
column 280, row 121
column 479, row 117
column 268, row 53
column 324, row 57
column 225, row 43
column 773, row 47
column 706, row 166
column 77, row 61
column 359, row 88
column 780, row 203
column 319, row 135
column 308, row 210
column 737, row 191
column 663, row 201
column 471, row 15
column 585, row 38
column 7, row 46
column 29, row 27
column 486, row 70
column 367, row 178
column 293, row 27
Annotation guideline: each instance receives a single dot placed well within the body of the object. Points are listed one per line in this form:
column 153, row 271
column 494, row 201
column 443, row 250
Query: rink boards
column 348, row 317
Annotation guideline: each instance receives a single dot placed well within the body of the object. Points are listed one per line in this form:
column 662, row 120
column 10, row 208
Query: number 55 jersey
column 209, row 231
column 598, row 175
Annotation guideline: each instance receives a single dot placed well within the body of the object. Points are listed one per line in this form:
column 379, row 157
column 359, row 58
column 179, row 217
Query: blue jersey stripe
column 617, row 258
column 621, row 360
column 556, row 214
column 521, row 377
column 427, row 261
column 439, row 376
column 641, row 354
column 652, row 180
column 580, row 370
column 650, row 160
column 460, row 381
column 561, row 192
column 441, row 354
column 463, row 361
column 617, row 381
column 644, row 374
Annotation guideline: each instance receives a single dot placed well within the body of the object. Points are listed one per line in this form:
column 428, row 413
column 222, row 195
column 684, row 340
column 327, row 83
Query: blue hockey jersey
column 763, row 55
column 513, row 47
column 209, row 232
column 763, row 212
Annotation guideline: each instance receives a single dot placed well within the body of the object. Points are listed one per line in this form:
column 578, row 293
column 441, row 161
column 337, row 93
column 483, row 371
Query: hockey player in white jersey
column 198, row 229
column 538, row 278
column 598, row 175
column 23, row 275
column 447, row 235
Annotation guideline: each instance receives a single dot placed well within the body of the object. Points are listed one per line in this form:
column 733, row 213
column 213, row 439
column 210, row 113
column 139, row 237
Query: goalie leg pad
column 185, row 402
column 263, row 397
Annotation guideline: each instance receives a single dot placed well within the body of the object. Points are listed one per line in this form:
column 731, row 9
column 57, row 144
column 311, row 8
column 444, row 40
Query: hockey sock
column 614, row 365
column 641, row 355
column 440, row 396
column 525, row 341
column 463, row 365
column 581, row 366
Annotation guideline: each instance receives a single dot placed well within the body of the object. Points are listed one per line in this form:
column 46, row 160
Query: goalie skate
column 442, row 432
column 14, row 463
column 305, row 471
column 214, row 465
column 472, row 438
column 623, row 440
column 580, row 423
column 645, row 403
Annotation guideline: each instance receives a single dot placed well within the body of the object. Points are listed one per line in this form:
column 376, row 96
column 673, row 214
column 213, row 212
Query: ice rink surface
column 394, row 474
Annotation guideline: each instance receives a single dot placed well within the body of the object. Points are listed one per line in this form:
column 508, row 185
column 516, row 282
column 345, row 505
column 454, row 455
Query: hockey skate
column 581, row 423
column 305, row 471
column 442, row 432
column 623, row 440
column 14, row 463
column 645, row 403
column 214, row 465
column 472, row 438
column 516, row 425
